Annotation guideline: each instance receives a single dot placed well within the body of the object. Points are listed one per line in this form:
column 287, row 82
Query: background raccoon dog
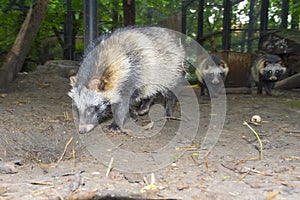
column 265, row 71
column 124, row 67
column 211, row 73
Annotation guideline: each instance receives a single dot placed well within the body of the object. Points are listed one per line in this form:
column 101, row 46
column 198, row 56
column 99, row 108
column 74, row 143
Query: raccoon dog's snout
column 85, row 128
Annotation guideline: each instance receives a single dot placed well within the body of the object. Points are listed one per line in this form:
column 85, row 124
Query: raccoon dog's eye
column 278, row 71
column 97, row 107
column 269, row 72
column 90, row 110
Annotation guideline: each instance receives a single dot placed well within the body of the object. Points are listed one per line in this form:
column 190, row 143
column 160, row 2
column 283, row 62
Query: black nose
column 82, row 131
column 273, row 78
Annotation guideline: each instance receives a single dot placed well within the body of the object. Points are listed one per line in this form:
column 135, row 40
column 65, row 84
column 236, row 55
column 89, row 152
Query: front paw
column 114, row 128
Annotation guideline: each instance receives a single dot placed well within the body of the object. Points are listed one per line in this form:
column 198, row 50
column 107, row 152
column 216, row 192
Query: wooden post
column 16, row 56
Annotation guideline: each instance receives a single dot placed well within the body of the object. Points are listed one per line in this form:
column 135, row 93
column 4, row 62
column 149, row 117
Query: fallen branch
column 109, row 166
column 258, row 138
column 76, row 182
column 65, row 149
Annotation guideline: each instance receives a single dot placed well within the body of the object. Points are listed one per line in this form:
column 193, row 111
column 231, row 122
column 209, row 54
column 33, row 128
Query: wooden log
column 238, row 90
column 289, row 83
column 239, row 67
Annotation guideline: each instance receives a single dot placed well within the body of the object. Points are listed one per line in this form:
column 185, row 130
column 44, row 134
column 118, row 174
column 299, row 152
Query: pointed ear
column 266, row 63
column 95, row 84
column 226, row 69
column 73, row 81
column 284, row 69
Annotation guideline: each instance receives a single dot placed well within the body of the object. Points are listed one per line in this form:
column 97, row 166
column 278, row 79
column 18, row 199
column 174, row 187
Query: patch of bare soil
column 42, row 156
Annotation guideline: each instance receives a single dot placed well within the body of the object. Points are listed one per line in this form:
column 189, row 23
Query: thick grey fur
column 150, row 60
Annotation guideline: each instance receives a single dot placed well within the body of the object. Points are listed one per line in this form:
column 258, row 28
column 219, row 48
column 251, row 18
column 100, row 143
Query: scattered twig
column 58, row 194
column 244, row 175
column 256, row 171
column 3, row 190
column 149, row 126
column 258, row 138
column 7, row 168
column 82, row 195
column 295, row 133
column 150, row 186
column 173, row 118
column 41, row 182
column 76, row 182
column 72, row 174
column 168, row 118
column 116, row 147
column 242, row 170
column 65, row 149
column 195, row 160
column 67, row 117
column 3, row 95
column 292, row 131
column 109, row 166
column 273, row 194
column 190, row 148
column 74, row 156
column 41, row 190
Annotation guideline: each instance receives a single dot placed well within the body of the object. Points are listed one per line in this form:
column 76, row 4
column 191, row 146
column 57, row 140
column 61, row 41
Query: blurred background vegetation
column 48, row 44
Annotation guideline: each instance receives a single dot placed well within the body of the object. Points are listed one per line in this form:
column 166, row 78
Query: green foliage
column 10, row 21
column 151, row 11
column 110, row 16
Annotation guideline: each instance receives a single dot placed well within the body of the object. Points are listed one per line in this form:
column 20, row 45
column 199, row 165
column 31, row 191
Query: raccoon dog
column 211, row 73
column 124, row 67
column 265, row 71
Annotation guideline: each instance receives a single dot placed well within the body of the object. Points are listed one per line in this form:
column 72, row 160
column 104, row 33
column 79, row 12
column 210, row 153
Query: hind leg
column 170, row 100
column 145, row 105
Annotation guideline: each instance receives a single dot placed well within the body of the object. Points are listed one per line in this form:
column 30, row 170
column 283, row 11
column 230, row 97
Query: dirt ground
column 43, row 157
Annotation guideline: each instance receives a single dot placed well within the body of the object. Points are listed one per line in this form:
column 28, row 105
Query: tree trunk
column 129, row 12
column 16, row 56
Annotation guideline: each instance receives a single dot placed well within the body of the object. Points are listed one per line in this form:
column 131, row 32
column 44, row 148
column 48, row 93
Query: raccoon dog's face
column 272, row 71
column 90, row 106
column 214, row 75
